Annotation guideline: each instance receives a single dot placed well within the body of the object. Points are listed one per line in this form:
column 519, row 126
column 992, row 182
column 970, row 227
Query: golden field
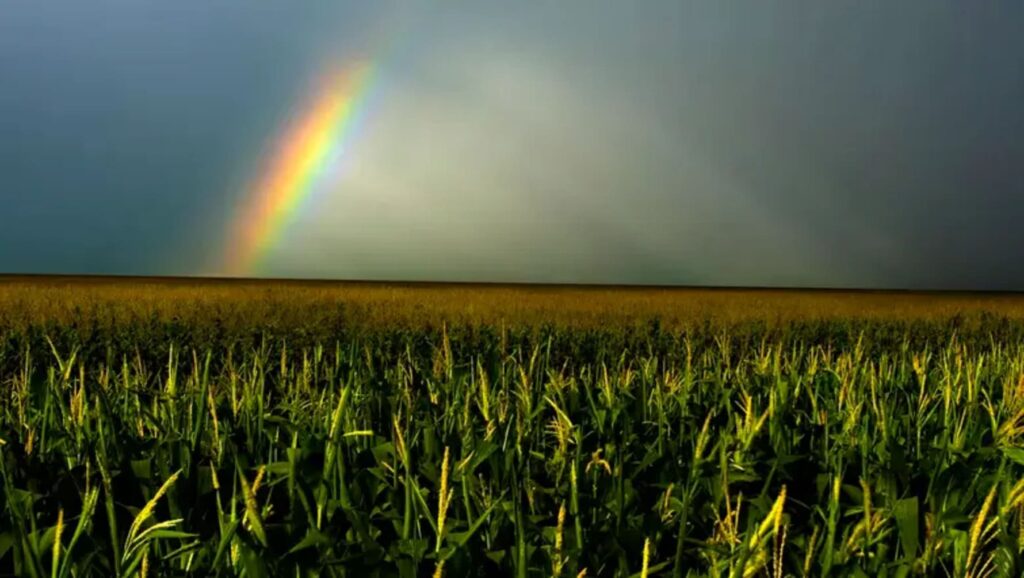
column 57, row 300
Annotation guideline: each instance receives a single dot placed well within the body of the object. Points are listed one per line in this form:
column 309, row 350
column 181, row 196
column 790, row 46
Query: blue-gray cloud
column 838, row 144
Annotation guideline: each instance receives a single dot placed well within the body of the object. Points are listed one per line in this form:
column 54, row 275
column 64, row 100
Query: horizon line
column 201, row 279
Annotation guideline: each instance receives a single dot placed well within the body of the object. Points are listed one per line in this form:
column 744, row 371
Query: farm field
column 158, row 427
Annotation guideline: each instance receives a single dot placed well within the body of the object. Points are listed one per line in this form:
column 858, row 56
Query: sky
column 798, row 144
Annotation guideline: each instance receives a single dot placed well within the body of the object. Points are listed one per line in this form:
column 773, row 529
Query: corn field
column 862, row 449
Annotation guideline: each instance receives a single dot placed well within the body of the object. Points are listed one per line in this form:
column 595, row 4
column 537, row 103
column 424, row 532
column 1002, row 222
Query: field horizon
column 83, row 278
column 304, row 304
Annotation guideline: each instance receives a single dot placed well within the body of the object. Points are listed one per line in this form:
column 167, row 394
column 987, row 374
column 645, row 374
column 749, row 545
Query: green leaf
column 313, row 538
column 169, row 535
column 182, row 550
column 413, row 548
column 1015, row 454
column 254, row 566
column 461, row 538
column 6, row 541
column 652, row 570
column 225, row 541
column 143, row 469
column 906, row 513
column 481, row 453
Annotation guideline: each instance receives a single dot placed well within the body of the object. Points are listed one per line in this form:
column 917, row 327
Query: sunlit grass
column 245, row 431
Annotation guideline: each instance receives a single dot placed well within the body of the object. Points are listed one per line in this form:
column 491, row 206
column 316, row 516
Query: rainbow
column 301, row 162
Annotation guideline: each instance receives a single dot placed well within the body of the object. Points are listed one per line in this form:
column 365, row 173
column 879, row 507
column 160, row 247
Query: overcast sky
column 839, row 143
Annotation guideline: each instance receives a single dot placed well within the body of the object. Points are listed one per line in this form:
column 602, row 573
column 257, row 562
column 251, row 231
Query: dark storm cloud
column 836, row 144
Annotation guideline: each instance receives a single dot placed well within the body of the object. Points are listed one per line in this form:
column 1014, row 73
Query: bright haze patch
column 839, row 144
